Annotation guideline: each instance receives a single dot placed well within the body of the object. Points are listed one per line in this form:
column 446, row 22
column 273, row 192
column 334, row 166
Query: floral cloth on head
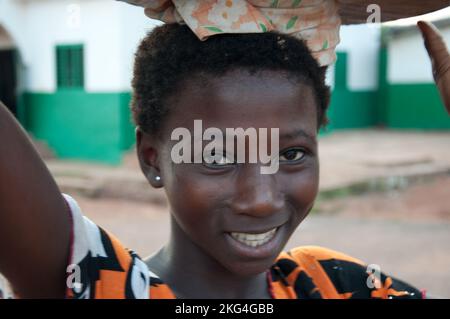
column 315, row 21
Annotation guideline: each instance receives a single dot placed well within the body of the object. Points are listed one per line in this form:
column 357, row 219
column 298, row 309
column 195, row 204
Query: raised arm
column 34, row 219
column 355, row 11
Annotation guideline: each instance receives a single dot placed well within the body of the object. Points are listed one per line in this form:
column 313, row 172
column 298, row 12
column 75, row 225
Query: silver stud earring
column 158, row 178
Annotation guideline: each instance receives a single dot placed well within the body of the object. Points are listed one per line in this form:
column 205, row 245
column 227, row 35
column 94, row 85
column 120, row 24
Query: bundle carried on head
column 317, row 22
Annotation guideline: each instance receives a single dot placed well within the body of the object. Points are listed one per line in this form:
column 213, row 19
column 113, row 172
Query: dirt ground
column 406, row 232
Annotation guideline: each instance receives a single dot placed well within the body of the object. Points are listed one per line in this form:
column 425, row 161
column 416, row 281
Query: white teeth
column 254, row 240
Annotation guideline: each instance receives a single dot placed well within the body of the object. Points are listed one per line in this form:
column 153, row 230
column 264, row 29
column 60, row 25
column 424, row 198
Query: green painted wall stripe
column 383, row 87
column 127, row 124
column 408, row 106
column 350, row 109
column 398, row 106
column 340, row 73
column 80, row 125
column 416, row 106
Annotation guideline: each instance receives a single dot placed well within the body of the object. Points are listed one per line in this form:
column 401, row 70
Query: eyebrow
column 298, row 133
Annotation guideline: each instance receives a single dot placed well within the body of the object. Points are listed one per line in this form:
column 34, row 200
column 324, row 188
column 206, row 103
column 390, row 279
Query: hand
column 440, row 59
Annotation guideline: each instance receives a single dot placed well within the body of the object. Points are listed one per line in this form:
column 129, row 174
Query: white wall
column 362, row 43
column 109, row 30
column 408, row 61
column 11, row 17
column 62, row 22
column 134, row 26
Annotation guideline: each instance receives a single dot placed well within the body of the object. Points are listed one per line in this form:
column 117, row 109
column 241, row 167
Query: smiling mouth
column 254, row 240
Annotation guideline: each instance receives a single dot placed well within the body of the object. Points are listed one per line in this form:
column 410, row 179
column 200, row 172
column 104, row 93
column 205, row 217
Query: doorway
column 8, row 72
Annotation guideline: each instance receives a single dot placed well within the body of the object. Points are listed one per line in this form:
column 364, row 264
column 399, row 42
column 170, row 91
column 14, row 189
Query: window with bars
column 70, row 66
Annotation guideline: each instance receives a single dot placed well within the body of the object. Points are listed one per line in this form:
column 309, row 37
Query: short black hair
column 171, row 53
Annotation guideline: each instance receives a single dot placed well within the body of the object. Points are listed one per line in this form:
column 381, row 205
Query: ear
column 147, row 153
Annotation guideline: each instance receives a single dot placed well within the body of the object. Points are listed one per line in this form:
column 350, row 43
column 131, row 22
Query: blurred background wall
column 66, row 69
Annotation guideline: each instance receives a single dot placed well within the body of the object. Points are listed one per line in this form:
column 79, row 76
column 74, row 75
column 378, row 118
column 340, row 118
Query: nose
column 257, row 194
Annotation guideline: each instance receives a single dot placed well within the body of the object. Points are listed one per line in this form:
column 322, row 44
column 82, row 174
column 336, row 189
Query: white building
column 74, row 63
column 67, row 64
column 410, row 97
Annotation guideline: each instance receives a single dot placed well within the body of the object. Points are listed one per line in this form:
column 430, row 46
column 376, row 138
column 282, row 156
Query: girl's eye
column 217, row 159
column 292, row 155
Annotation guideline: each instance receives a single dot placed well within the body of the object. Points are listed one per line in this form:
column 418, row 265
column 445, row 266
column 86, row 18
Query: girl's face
column 215, row 207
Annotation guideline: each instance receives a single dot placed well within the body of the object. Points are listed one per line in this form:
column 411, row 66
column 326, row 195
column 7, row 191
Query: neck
column 192, row 273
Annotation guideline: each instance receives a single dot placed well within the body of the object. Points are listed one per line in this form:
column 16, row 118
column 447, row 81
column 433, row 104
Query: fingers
column 440, row 58
column 433, row 39
column 436, row 47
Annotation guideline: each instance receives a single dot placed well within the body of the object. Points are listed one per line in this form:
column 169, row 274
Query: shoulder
column 321, row 254
column 343, row 274
column 338, row 275
column 100, row 266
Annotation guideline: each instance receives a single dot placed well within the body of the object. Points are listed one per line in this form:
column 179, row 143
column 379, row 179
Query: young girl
column 229, row 222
